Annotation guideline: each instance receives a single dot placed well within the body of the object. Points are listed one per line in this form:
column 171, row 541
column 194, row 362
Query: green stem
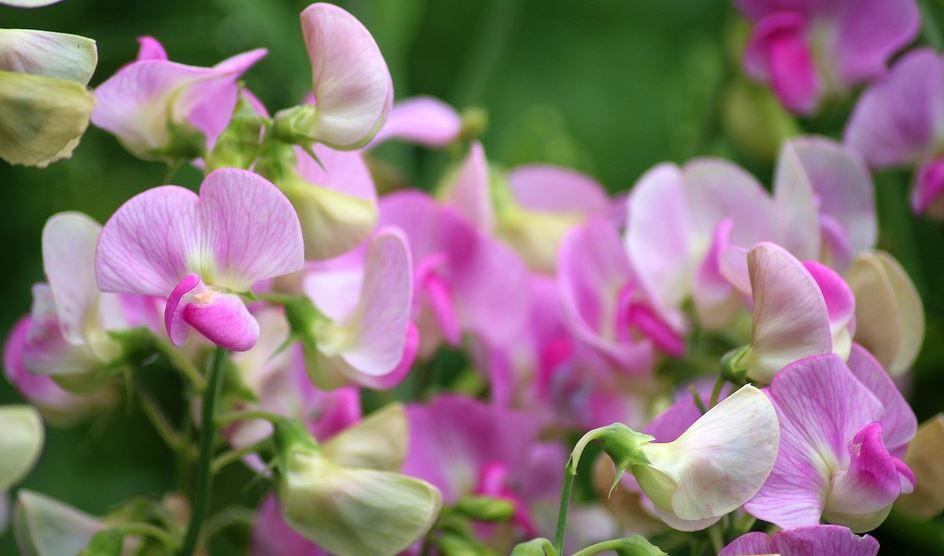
column 183, row 365
column 161, row 424
column 716, row 537
column 626, row 547
column 204, row 479
column 236, row 454
column 570, row 472
column 929, row 26
column 246, row 415
column 697, row 399
column 148, row 530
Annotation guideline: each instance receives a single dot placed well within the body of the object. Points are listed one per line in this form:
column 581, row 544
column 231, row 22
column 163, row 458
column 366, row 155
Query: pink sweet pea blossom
column 200, row 252
column 839, row 434
column 898, row 122
column 812, row 50
column 804, row 541
column 152, row 104
column 464, row 281
column 366, row 298
column 605, row 303
column 799, row 309
column 350, row 80
column 422, row 120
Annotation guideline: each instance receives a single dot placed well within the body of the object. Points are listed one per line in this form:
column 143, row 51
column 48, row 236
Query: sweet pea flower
column 200, row 252
column 361, row 332
column 803, row 541
column 43, row 76
column 329, row 492
column 351, row 83
column 464, row 281
column 890, row 313
column 422, row 120
column 839, row 432
column 164, row 110
column 812, row 51
column 277, row 379
column 897, row 122
column 531, row 208
column 68, row 333
column 799, row 309
column 29, row 3
column 467, row 448
column 606, row 305
column 713, row 467
column 547, row 370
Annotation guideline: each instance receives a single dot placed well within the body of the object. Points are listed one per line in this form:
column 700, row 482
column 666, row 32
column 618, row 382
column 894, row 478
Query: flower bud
column 745, row 104
column 889, row 314
column 346, row 510
column 238, row 145
column 21, row 440
column 535, row 547
column 924, row 457
column 485, row 508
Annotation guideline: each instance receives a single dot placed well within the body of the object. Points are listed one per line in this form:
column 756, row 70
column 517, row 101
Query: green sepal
column 107, row 542
column 535, row 547
column 622, row 444
column 734, row 365
column 184, row 142
column 485, row 508
column 239, row 144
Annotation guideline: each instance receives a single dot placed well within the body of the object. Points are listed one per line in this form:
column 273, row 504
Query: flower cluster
column 735, row 349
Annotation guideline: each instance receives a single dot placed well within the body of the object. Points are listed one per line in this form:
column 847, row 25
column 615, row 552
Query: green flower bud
column 239, row 144
column 746, row 104
column 536, row 547
column 485, row 508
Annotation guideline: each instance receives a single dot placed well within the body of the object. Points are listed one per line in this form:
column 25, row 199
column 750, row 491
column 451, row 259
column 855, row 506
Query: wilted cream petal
column 42, row 119
column 333, row 222
column 925, row 456
column 21, row 440
column 377, row 442
column 889, row 314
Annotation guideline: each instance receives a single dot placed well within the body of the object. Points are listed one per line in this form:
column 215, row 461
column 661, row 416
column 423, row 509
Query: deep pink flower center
column 636, row 318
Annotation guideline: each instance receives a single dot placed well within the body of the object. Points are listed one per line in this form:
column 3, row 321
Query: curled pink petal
column 150, row 48
column 223, row 319
column 426, row 121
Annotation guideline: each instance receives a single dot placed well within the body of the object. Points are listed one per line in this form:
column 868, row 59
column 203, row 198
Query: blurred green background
column 610, row 87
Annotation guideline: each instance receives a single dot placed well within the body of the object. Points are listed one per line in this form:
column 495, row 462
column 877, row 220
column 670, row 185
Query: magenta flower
column 812, row 50
column 465, row 447
column 897, row 122
column 463, row 280
column 158, row 108
column 804, row 541
column 606, row 304
column 840, row 431
column 201, row 252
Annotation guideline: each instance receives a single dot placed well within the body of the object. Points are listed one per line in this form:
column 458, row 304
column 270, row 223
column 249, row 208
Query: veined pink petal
column 898, row 119
column 341, row 171
column 380, row 323
column 898, row 421
column 557, row 189
column 718, row 190
column 150, row 48
column 834, row 540
column 862, row 494
column 868, row 32
column 821, row 407
column 69, row 240
column 796, row 205
column 352, row 85
column 593, row 270
column 453, row 438
column 137, row 103
column 426, row 121
column 470, row 194
column 790, row 316
column 842, row 188
column 659, row 235
column 239, row 231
